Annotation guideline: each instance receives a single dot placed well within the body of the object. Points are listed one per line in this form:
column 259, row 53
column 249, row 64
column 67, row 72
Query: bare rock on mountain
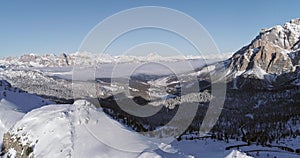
column 267, row 56
column 270, row 51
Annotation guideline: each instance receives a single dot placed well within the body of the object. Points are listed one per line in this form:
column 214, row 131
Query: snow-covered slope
column 19, row 100
column 14, row 103
column 81, row 130
column 64, row 131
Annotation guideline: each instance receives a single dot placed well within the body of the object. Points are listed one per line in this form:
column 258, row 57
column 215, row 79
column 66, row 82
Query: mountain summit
column 273, row 51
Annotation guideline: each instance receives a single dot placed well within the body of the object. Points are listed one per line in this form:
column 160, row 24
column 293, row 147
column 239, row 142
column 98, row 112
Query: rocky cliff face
column 274, row 51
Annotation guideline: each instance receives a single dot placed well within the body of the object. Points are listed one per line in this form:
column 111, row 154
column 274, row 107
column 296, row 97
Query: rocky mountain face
column 274, row 51
column 270, row 61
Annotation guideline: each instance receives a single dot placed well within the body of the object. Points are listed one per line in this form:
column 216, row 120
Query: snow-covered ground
column 69, row 131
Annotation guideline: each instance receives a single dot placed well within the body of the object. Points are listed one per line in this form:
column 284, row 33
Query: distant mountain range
column 91, row 59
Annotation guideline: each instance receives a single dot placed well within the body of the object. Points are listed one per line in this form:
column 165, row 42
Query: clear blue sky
column 59, row 26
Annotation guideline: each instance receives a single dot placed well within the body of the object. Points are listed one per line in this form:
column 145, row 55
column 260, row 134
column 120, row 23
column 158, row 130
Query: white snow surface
column 237, row 154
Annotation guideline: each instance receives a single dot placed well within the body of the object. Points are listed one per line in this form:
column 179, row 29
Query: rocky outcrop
column 11, row 142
